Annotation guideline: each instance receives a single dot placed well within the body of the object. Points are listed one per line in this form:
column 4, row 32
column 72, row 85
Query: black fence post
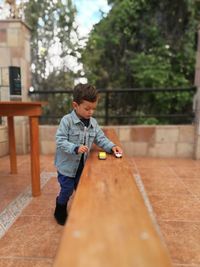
column 106, row 108
column 118, row 107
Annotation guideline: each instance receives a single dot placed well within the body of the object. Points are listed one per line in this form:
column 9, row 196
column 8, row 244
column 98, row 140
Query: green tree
column 54, row 41
column 143, row 43
column 54, row 38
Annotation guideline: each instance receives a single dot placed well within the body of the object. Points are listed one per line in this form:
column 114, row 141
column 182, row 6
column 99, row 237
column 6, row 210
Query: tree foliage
column 143, row 43
column 54, row 43
column 54, row 40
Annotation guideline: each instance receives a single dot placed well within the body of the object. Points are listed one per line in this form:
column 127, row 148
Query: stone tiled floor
column 30, row 236
column 173, row 189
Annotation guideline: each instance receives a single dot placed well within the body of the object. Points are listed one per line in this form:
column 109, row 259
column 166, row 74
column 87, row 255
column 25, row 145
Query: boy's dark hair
column 84, row 92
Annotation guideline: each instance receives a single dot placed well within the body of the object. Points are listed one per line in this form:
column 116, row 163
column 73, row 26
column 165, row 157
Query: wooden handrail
column 109, row 224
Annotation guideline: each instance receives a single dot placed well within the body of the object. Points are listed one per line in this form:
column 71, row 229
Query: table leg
column 35, row 154
column 12, row 146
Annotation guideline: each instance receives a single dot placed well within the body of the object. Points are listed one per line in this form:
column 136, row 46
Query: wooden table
column 33, row 110
column 109, row 224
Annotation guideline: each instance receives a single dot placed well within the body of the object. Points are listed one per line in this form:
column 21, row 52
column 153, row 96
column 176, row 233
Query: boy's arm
column 62, row 138
column 105, row 143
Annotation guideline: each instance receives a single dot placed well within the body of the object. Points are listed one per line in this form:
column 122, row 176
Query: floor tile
column 187, row 163
column 31, row 236
column 164, row 185
column 172, row 186
column 183, row 240
column 193, row 186
column 149, row 162
column 187, row 173
column 159, row 172
column 42, row 205
column 26, row 262
column 52, row 186
column 180, row 207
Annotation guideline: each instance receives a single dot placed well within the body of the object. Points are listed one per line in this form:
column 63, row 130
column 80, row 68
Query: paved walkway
column 30, row 236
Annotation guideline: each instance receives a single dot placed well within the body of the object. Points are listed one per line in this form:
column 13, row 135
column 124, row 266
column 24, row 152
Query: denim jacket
column 72, row 133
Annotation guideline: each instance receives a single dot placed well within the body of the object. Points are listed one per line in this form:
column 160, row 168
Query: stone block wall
column 47, row 139
column 14, row 51
column 158, row 141
column 3, row 141
column 152, row 141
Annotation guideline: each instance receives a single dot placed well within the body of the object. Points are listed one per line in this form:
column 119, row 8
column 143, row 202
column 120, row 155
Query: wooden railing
column 109, row 224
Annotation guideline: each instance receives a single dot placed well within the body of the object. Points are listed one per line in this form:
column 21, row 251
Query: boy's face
column 85, row 109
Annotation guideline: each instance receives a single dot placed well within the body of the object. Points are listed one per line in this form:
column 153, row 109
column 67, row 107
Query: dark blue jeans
column 68, row 184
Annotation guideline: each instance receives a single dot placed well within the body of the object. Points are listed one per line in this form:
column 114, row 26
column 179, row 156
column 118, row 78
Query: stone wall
column 3, row 140
column 152, row 141
column 158, row 141
column 14, row 51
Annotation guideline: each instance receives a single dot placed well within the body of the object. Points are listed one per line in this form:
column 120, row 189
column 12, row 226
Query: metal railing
column 125, row 106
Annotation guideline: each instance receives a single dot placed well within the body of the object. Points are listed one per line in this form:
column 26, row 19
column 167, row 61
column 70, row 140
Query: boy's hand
column 82, row 149
column 117, row 149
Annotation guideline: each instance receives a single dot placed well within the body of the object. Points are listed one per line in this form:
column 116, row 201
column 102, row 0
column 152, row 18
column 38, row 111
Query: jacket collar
column 76, row 119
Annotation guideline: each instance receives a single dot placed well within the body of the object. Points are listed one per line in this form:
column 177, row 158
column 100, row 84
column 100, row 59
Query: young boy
column 76, row 134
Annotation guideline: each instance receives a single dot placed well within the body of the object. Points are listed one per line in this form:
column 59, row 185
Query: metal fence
column 125, row 106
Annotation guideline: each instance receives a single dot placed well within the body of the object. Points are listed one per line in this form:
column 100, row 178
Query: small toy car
column 102, row 155
column 118, row 155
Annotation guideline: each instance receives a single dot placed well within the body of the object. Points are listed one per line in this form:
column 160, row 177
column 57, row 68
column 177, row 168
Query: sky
column 89, row 13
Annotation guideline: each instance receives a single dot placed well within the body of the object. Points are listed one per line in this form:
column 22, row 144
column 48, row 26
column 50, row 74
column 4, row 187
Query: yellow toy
column 102, row 155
